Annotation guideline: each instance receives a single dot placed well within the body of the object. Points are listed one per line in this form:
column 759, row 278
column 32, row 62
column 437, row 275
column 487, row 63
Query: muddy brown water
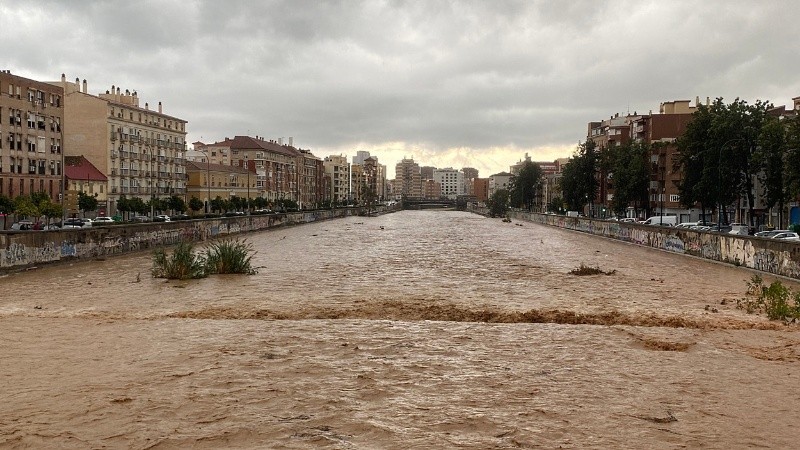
column 417, row 329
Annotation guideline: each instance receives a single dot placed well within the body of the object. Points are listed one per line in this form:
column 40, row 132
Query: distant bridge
column 419, row 203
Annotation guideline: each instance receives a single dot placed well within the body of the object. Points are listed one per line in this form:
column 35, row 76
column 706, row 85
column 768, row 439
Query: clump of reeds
column 183, row 264
column 229, row 256
column 586, row 270
column 222, row 257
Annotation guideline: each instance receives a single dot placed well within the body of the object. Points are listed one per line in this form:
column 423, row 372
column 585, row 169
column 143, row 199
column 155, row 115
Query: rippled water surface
column 417, row 329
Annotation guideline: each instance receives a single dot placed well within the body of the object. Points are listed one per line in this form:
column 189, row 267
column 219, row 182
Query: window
column 31, row 120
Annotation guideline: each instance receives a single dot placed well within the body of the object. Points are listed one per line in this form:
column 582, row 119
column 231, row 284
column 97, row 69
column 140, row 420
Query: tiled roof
column 201, row 166
column 79, row 168
column 251, row 143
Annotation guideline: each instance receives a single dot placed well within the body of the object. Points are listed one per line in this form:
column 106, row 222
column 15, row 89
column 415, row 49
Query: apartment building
column 375, row 177
column 470, row 174
column 31, row 137
column 311, row 180
column 207, row 181
column 480, row 189
column 408, row 181
column 499, row 181
column 451, row 182
column 431, row 190
column 337, row 170
column 660, row 132
column 140, row 150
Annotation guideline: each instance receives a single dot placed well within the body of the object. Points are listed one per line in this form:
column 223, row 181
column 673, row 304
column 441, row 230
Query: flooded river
column 418, row 329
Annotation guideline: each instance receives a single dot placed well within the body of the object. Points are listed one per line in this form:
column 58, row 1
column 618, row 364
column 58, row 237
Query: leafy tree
column 498, row 203
column 525, row 186
column 139, row 206
column 51, row 210
column 629, row 164
column 218, row 204
column 556, row 205
column 124, row 205
column 6, row 208
column 698, row 162
column 259, row 203
column 578, row 182
column 770, row 153
column 792, row 161
column 195, row 204
column 24, row 206
column 176, row 204
column 87, row 202
column 718, row 154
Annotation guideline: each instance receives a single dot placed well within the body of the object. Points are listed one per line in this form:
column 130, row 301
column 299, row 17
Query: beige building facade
column 140, row 150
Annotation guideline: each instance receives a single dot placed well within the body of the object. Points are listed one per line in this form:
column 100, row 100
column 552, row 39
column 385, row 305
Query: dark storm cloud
column 436, row 75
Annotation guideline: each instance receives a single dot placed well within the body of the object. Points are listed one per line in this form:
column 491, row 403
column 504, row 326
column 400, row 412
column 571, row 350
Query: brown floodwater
column 418, row 329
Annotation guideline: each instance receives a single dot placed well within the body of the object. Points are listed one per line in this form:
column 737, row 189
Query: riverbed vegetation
column 776, row 301
column 584, row 270
column 227, row 256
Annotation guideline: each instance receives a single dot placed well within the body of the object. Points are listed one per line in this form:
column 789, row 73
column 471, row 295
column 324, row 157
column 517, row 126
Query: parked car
column 102, row 220
column 787, row 236
column 22, row 225
column 179, row 217
column 161, row 218
column 76, row 223
column 688, row 224
column 770, row 233
column 140, row 219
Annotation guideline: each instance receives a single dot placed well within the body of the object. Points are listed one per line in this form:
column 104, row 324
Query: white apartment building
column 499, row 181
column 451, row 182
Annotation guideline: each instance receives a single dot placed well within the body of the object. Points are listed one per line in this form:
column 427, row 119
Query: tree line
column 728, row 152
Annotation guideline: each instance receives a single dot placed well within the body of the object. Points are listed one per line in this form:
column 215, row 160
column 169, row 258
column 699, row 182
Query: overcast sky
column 449, row 83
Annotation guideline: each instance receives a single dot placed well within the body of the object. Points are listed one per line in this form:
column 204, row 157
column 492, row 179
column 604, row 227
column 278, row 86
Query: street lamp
column 208, row 179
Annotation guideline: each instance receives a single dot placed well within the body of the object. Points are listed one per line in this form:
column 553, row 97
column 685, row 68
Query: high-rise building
column 407, row 179
column 426, row 172
column 338, row 170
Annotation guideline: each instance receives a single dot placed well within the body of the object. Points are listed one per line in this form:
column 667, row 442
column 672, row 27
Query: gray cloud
column 437, row 75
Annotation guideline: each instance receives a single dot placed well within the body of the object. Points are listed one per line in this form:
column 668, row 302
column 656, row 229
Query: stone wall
column 778, row 257
column 30, row 248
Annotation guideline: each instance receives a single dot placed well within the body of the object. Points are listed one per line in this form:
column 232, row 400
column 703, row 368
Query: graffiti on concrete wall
column 763, row 255
column 674, row 244
column 25, row 249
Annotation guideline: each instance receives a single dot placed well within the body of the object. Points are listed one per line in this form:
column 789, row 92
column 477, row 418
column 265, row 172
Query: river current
column 418, row 329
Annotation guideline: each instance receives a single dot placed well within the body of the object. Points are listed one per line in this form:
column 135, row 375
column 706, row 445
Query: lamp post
column 719, row 179
column 247, row 166
column 208, row 179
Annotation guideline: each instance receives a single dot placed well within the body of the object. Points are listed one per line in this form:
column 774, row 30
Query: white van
column 669, row 221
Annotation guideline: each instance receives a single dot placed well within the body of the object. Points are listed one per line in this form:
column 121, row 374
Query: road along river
column 417, row 329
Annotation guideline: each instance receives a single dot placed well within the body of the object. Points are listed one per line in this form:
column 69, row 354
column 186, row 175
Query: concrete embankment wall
column 768, row 255
column 30, row 248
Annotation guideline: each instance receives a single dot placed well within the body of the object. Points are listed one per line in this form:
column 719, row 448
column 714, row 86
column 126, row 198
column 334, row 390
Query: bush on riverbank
column 227, row 256
column 777, row 301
